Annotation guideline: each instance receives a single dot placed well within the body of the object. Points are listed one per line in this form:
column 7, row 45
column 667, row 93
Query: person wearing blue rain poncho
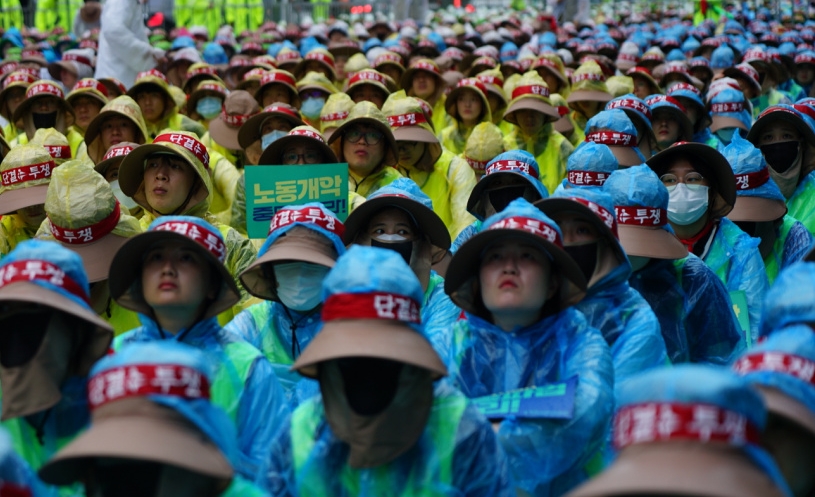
column 15, row 473
column 640, row 115
column 691, row 99
column 690, row 430
column 586, row 218
column 670, row 121
column 760, row 210
column 692, row 305
column 589, row 166
column 790, row 299
column 786, row 136
column 51, row 338
column 400, row 217
column 174, row 276
column 729, row 112
column 385, row 424
column 303, row 243
column 520, row 330
column 702, row 191
column 781, row 368
column 508, row 176
column 153, row 429
column 615, row 129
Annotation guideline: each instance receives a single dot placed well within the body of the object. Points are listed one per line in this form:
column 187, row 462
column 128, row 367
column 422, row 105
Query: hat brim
column 656, row 243
column 25, row 291
column 769, row 118
column 484, row 184
column 97, row 256
column 721, row 122
column 414, row 134
column 284, row 249
column 140, row 438
column 783, row 405
column 467, row 260
column 407, row 78
column 589, row 95
column 251, row 130
column 20, row 198
column 126, row 268
column 428, row 221
column 547, row 110
column 26, row 105
column 554, row 206
column 224, row 134
column 381, row 339
column 681, row 468
column 710, row 158
column 564, row 126
column 757, row 209
column 273, row 154
column 733, row 72
column 95, row 128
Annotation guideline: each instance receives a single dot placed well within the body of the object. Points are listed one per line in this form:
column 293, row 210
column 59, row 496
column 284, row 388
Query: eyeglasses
column 372, row 137
column 309, row 157
column 692, row 180
column 404, row 146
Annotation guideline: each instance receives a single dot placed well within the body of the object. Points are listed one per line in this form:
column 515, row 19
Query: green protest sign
column 269, row 188
column 739, row 300
column 554, row 401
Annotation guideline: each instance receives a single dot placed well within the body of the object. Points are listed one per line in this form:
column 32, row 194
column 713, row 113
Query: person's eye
column 404, row 232
column 153, row 257
column 378, row 231
column 187, row 257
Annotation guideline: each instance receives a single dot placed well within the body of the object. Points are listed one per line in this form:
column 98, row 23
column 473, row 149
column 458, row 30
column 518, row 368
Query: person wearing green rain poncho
column 532, row 114
column 365, row 142
column 467, row 105
column 94, row 229
column 441, row 175
column 786, row 136
column 171, row 177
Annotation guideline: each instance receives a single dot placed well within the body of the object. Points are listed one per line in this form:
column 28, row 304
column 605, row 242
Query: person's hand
column 159, row 56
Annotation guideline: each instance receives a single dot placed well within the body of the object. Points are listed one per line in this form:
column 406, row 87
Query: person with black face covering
column 400, row 217
column 45, row 107
column 384, row 424
column 786, row 136
column 586, row 217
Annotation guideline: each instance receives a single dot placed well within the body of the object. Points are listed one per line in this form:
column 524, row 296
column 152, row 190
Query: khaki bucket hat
column 238, row 107
column 366, row 113
column 44, row 89
column 121, row 106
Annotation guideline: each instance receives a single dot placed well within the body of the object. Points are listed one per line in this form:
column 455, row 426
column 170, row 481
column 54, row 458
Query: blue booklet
column 553, row 401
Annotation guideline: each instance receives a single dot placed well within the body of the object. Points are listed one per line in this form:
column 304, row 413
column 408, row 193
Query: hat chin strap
column 183, row 207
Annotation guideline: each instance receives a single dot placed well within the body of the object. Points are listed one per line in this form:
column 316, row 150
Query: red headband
column 750, row 181
column 87, row 234
column 531, row 225
column 410, row 119
column 32, row 172
column 141, row 380
column 641, row 216
column 777, row 362
column 188, row 142
column 374, row 305
column 29, row 270
column 307, row 215
column 212, row 242
column 512, row 166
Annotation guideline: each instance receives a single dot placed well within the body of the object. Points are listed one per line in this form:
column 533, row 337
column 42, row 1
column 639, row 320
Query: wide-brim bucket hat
column 84, row 216
column 552, row 64
column 641, row 72
column 305, row 135
column 424, row 65
column 461, row 283
column 366, row 113
column 320, row 56
column 17, row 79
column 238, row 107
column 251, row 130
column 348, row 330
column 44, row 89
column 475, row 86
column 615, row 129
column 368, row 77
column 789, row 114
column 88, row 87
column 140, row 430
column 758, row 198
column 319, row 242
column 208, row 88
column 588, row 84
column 203, row 239
column 710, row 163
column 757, row 209
column 155, row 80
column 676, row 112
column 282, row 78
column 402, row 194
column 121, row 106
column 531, row 92
column 115, row 154
column 409, row 123
column 25, row 172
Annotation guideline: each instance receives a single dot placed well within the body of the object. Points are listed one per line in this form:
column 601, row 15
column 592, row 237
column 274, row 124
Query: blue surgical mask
column 121, row 197
column 725, row 135
column 268, row 138
column 311, row 107
column 299, row 284
column 208, row 107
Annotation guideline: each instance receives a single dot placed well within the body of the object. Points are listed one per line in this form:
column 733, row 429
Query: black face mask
column 748, row 227
column 585, row 256
column 44, row 120
column 405, row 249
column 781, row 156
column 129, row 479
column 501, row 197
column 22, row 336
column 370, row 383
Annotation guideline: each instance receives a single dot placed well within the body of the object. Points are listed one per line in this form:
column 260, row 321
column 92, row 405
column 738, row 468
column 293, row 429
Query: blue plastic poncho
column 613, row 127
column 624, row 318
column 589, row 166
column 692, row 305
column 730, row 103
column 722, row 58
column 457, row 454
column 790, row 299
column 278, row 332
column 547, row 457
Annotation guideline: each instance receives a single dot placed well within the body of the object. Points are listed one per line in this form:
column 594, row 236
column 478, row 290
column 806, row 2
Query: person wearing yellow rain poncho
column 24, row 176
column 566, row 125
column 119, row 121
column 365, row 142
column 12, row 95
column 334, row 113
column 84, row 216
column 87, row 99
column 152, row 92
column 485, row 142
column 440, row 174
column 313, row 90
column 423, row 80
column 467, row 105
column 532, row 114
column 589, row 93
column 171, row 177
column 45, row 107
column 549, row 66
column 493, row 81
column 206, row 102
column 55, row 143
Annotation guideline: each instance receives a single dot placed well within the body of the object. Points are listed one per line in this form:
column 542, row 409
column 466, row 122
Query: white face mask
column 121, row 197
column 687, row 205
column 299, row 284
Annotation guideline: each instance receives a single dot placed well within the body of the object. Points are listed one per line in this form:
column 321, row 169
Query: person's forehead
column 391, row 215
column 781, row 126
